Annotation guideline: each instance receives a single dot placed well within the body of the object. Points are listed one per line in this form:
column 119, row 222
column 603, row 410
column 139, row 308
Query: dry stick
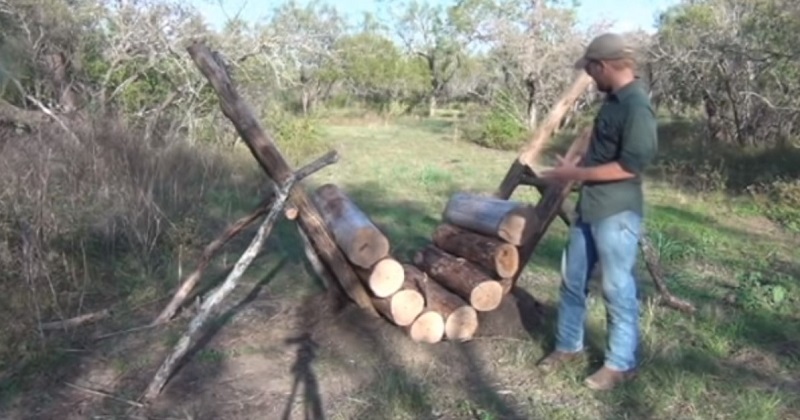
column 180, row 349
column 77, row 321
column 103, row 394
column 230, row 232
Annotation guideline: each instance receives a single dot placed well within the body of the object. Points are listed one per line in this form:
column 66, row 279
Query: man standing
column 610, row 213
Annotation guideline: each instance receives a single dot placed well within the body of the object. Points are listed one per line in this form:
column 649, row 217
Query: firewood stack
column 469, row 266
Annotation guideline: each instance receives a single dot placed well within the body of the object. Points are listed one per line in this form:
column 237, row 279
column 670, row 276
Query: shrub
column 497, row 129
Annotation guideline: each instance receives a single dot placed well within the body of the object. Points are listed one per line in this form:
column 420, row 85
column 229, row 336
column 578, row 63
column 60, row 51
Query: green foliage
column 299, row 137
column 498, row 128
column 784, row 203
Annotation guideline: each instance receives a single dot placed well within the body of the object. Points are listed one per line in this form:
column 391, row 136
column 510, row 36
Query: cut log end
column 387, row 277
column 486, row 296
column 462, row 324
column 405, row 307
column 506, row 260
column 517, row 225
column 427, row 328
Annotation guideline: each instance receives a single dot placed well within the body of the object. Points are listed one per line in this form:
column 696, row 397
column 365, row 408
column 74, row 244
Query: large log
column 264, row 149
column 460, row 318
column 462, row 277
column 407, row 303
column 492, row 254
column 360, row 240
column 508, row 220
column 384, row 278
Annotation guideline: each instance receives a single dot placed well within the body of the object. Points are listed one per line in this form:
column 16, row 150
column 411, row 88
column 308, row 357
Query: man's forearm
column 607, row 172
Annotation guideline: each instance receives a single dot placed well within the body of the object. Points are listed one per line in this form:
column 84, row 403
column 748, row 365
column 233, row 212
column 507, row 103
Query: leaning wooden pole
column 266, row 152
column 180, row 349
column 189, row 283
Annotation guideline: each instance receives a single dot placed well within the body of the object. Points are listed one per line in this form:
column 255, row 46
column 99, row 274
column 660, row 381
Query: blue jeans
column 613, row 242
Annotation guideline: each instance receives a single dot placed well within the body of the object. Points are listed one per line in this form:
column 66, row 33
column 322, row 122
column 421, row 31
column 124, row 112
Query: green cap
column 608, row 46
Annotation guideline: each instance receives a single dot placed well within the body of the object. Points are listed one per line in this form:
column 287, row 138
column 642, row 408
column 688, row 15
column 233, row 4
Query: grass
column 737, row 357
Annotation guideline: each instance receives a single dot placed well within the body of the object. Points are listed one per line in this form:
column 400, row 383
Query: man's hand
column 566, row 170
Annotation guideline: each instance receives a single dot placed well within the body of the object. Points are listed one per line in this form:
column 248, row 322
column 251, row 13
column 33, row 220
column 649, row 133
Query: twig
column 189, row 283
column 182, row 347
column 654, row 267
column 104, row 395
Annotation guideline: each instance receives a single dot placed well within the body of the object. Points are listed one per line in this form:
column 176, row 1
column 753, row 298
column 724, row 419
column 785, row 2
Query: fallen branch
column 76, row 321
column 180, row 349
column 230, row 232
column 651, row 260
column 103, row 394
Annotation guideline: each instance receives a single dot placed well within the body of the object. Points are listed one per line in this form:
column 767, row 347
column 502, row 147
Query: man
column 610, row 213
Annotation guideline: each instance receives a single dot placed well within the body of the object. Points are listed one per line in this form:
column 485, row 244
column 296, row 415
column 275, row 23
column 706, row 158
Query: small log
column 77, row 321
column 460, row 319
column 385, row 278
column 427, row 328
column 493, row 255
column 499, row 218
column 182, row 347
column 189, row 283
column 406, row 304
column 461, row 277
column 361, row 241
column 291, row 213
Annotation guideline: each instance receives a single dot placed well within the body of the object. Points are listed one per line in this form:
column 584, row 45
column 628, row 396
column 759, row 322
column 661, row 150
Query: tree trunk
column 490, row 216
column 263, row 148
column 385, row 278
column 360, row 240
column 461, row 277
column 460, row 319
column 494, row 255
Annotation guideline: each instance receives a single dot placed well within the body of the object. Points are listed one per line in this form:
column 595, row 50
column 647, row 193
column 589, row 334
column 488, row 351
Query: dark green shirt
column 624, row 131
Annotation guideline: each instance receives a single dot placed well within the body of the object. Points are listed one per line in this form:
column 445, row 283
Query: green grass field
column 738, row 357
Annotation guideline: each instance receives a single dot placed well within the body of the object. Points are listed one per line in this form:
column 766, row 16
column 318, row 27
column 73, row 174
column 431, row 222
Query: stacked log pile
column 467, row 268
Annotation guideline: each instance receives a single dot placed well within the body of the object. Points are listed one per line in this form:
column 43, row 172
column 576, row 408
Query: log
column 361, row 241
column 530, row 153
column 182, row 347
column 460, row 319
column 499, row 218
column 384, row 278
column 76, row 321
column 427, row 328
column 264, row 149
column 462, row 277
column 407, row 303
column 493, row 255
column 190, row 281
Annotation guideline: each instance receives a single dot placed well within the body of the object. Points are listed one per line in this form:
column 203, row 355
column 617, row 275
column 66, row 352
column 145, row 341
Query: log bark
column 427, row 328
column 460, row 318
column 407, row 303
column 361, row 241
column 384, row 278
column 182, row 347
column 492, row 254
column 189, row 283
column 263, row 148
column 462, row 277
column 530, row 153
column 499, row 218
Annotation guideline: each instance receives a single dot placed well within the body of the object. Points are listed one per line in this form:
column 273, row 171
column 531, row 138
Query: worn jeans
column 613, row 242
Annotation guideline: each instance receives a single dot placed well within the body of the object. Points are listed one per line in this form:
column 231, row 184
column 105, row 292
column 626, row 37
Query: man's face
column 599, row 72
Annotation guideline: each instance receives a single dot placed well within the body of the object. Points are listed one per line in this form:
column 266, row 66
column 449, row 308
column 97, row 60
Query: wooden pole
column 182, row 347
column 266, row 152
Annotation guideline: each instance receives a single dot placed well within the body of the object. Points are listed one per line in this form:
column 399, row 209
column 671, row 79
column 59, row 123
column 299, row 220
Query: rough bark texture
column 490, row 216
column 361, row 241
column 460, row 276
column 263, row 147
column 460, row 319
column 492, row 254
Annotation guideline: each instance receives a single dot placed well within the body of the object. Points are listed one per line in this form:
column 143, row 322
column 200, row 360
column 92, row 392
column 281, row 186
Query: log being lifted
column 492, row 254
column 494, row 217
column 406, row 304
column 460, row 318
column 462, row 277
column 355, row 234
column 384, row 278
